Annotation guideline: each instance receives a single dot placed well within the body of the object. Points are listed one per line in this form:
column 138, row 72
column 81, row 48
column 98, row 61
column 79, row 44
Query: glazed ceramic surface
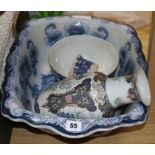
column 63, row 53
column 142, row 85
column 81, row 66
column 91, row 96
column 127, row 89
column 28, row 73
column 81, row 97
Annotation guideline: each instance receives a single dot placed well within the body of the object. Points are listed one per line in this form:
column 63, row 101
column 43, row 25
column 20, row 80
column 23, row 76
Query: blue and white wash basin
column 27, row 73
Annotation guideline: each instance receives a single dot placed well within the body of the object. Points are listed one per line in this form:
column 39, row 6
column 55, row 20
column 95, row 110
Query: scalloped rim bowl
column 28, row 72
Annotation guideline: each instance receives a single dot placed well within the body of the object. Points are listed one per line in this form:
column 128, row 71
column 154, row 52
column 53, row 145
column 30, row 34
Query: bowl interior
column 64, row 52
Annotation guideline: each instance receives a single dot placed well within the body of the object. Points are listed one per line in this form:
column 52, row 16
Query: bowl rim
column 6, row 111
column 52, row 129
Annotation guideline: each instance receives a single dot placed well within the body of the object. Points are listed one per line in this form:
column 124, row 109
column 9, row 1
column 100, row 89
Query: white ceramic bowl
column 63, row 53
column 143, row 86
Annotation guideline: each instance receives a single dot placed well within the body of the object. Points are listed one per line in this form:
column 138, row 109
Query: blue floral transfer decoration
column 52, row 35
column 76, row 28
column 22, row 92
column 82, row 65
column 49, row 79
column 125, row 66
column 32, row 56
column 138, row 48
column 101, row 33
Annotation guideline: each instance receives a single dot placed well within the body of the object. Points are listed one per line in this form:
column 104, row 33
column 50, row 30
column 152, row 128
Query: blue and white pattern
column 28, row 73
column 32, row 56
column 101, row 33
column 52, row 35
column 76, row 28
column 82, row 65
column 126, row 65
column 49, row 79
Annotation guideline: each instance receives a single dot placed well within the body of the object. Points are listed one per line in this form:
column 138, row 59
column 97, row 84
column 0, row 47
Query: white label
column 73, row 125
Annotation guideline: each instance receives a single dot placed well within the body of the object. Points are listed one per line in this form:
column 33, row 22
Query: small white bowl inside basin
column 63, row 53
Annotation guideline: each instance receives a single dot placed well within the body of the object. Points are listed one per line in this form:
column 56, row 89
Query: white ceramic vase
column 93, row 95
column 128, row 89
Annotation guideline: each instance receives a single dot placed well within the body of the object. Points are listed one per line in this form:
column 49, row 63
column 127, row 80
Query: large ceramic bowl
column 28, row 72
